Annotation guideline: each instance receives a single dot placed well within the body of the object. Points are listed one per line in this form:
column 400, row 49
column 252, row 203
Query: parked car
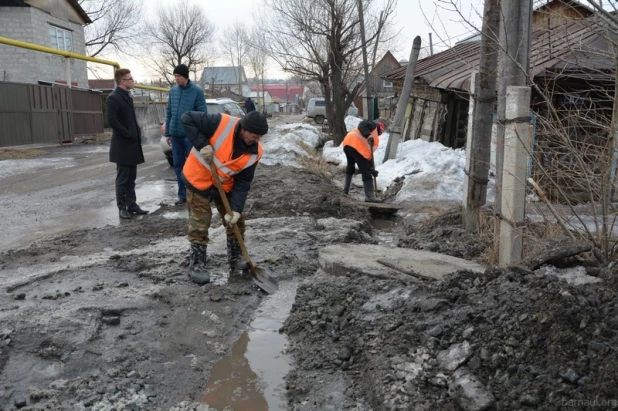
column 214, row 106
column 316, row 109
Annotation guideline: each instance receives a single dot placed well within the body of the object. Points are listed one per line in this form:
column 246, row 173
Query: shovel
column 259, row 277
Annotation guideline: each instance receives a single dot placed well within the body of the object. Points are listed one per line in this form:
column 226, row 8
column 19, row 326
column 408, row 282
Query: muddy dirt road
column 96, row 314
column 100, row 314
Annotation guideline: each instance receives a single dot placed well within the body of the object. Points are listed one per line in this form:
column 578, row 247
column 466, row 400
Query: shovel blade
column 263, row 280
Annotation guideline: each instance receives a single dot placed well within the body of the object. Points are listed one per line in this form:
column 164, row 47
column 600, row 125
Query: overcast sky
column 413, row 17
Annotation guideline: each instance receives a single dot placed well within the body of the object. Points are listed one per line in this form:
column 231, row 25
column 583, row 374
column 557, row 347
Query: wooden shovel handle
column 228, row 210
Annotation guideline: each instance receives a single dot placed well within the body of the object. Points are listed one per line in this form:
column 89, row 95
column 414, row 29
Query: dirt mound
column 287, row 191
column 504, row 339
column 445, row 234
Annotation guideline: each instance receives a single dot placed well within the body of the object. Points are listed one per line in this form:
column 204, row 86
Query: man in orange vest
column 359, row 145
column 233, row 146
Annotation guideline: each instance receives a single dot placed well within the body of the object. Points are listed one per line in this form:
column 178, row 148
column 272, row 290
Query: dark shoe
column 197, row 264
column 124, row 213
column 180, row 201
column 369, row 196
column 137, row 210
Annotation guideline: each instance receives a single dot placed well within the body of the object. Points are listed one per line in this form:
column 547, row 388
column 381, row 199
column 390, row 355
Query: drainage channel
column 386, row 231
column 252, row 377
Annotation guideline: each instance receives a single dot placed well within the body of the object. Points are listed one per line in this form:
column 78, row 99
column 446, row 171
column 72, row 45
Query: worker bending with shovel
column 232, row 146
column 359, row 145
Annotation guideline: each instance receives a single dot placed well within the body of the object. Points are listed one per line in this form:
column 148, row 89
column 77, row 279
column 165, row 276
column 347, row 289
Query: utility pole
column 369, row 113
column 397, row 126
column 514, row 66
column 479, row 142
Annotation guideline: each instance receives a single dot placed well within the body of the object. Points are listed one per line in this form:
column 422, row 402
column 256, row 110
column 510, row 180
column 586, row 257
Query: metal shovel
column 259, row 277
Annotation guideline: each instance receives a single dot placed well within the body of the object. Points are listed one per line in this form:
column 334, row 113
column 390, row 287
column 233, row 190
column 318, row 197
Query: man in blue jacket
column 184, row 96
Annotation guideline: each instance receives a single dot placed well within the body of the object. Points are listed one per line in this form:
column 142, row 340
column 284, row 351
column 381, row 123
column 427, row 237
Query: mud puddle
column 252, row 377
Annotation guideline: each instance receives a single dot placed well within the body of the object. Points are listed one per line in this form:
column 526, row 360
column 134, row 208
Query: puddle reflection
column 251, row 377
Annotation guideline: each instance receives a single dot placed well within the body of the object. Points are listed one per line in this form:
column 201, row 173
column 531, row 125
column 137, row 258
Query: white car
column 316, row 109
column 214, row 106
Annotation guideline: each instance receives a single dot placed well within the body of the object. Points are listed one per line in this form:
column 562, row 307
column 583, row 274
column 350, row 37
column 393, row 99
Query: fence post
column 517, row 142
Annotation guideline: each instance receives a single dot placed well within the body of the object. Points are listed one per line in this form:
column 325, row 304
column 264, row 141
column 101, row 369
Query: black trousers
column 125, row 186
column 354, row 157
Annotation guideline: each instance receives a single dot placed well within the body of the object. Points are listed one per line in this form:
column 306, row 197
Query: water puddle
column 386, row 231
column 251, row 377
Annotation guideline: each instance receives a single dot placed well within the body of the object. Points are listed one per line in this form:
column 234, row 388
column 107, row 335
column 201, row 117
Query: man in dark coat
column 249, row 105
column 126, row 146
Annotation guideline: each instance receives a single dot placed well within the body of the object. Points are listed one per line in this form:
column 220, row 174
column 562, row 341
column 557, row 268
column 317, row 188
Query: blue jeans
column 181, row 147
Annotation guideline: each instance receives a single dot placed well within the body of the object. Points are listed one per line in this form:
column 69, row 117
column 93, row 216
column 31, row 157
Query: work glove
column 370, row 140
column 206, row 153
column 374, row 172
column 230, row 220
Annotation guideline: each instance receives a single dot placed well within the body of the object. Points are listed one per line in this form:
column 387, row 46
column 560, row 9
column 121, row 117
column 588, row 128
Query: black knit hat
column 255, row 122
column 182, row 70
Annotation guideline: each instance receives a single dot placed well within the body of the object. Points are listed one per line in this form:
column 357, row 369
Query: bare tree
column 320, row 40
column 258, row 61
column 178, row 35
column 115, row 24
column 233, row 43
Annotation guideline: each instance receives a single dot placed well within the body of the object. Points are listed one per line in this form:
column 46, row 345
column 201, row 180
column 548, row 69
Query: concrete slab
column 372, row 260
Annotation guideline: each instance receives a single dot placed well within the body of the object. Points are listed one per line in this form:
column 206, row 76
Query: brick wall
column 27, row 66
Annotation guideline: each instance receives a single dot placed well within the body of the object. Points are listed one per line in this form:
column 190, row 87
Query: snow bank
column 432, row 171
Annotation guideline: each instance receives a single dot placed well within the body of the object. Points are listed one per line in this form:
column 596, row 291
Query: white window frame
column 387, row 84
column 60, row 39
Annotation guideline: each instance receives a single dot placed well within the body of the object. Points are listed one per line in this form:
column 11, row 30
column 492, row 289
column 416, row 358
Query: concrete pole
column 517, row 143
column 400, row 112
column 474, row 84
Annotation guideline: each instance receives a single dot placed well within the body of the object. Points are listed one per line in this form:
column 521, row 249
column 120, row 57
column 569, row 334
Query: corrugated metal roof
column 579, row 44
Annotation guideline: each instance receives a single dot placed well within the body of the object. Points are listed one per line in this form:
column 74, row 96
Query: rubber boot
column 197, row 264
column 347, row 183
column 238, row 268
column 369, row 197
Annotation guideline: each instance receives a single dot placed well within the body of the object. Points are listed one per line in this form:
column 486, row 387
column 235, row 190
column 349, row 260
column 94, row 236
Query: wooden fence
column 33, row 113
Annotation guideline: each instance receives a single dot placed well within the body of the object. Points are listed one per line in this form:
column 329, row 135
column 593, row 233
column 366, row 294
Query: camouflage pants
column 200, row 217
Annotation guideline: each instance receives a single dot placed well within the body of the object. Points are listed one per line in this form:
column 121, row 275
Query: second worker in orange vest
column 358, row 146
column 233, row 146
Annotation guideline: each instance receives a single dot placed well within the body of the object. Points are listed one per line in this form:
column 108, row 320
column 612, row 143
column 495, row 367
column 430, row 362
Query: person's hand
column 206, row 153
column 370, row 141
column 169, row 141
column 374, row 172
column 230, row 220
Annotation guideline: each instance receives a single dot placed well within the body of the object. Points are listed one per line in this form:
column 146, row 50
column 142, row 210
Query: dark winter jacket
column 249, row 106
column 189, row 97
column 199, row 127
column 126, row 145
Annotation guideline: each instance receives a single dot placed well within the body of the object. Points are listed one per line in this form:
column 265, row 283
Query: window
column 320, row 103
column 387, row 84
column 60, row 39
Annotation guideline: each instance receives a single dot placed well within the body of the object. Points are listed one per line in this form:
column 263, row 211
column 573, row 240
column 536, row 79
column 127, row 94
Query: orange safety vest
column 359, row 143
column 197, row 170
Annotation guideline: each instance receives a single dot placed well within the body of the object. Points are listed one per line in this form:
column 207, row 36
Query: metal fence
column 32, row 113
